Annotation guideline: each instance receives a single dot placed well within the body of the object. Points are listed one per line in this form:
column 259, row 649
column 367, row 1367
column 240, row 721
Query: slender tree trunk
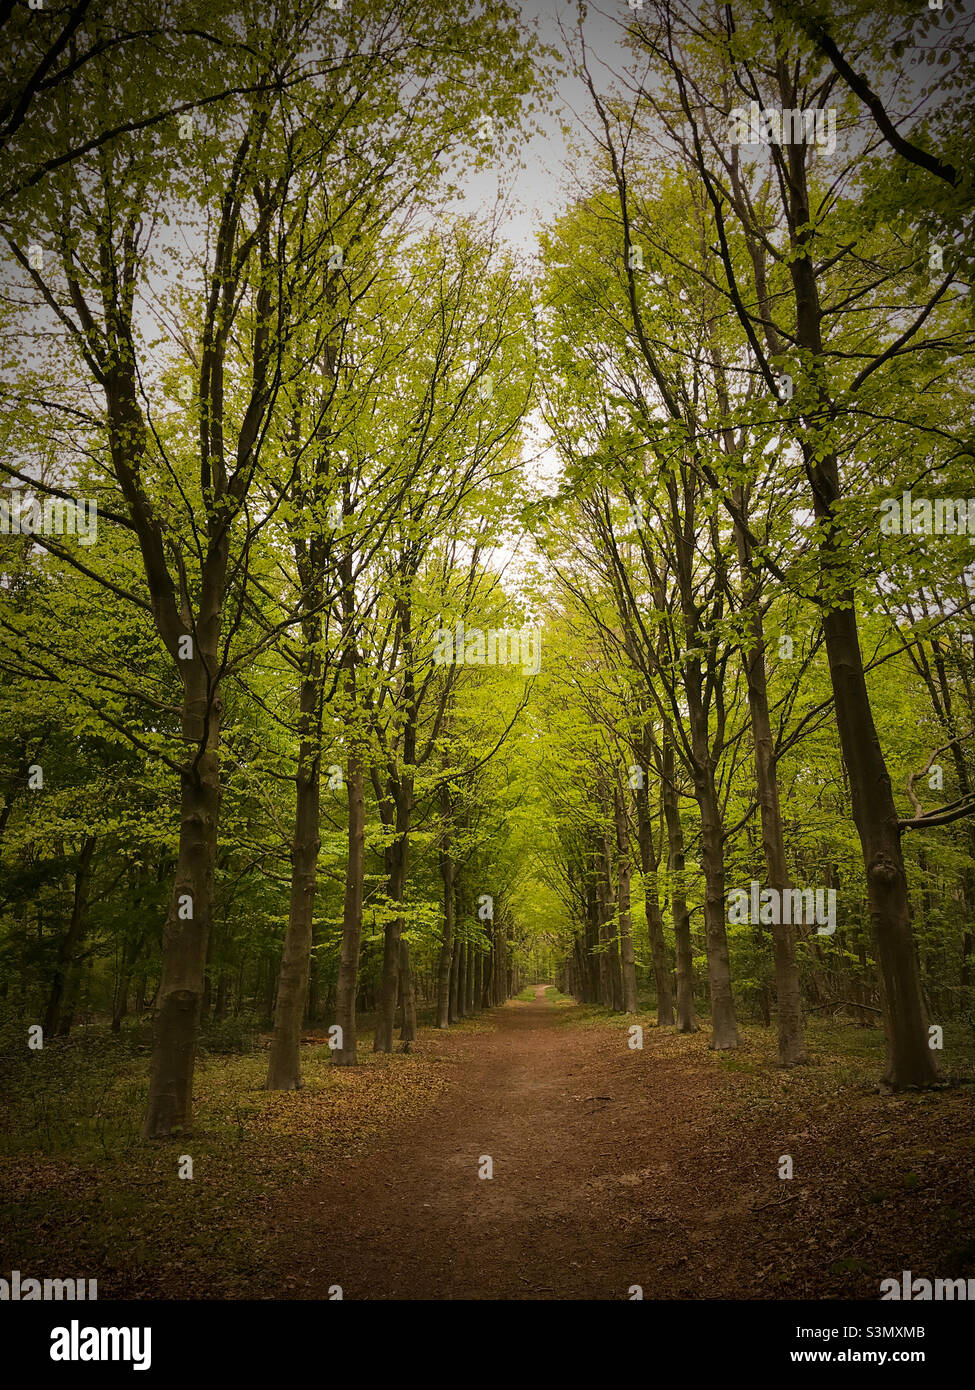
column 595, row 959
column 347, row 987
column 447, row 941
column 462, row 964
column 487, row 979
column 789, row 1017
column 73, row 936
column 649, row 865
column 386, row 1013
column 140, row 996
column 69, row 1005
column 600, row 936
column 624, row 870
column 464, row 951
column 686, row 1014
column 284, row 1066
column 407, row 992
column 120, row 1000
column 473, row 955
column 399, row 797
column 313, row 1012
column 583, row 972
column 478, row 980
column 608, row 928
column 454, row 1016
column 698, row 679
column 724, row 1031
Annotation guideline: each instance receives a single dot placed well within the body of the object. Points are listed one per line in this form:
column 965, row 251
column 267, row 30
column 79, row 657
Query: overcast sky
column 539, row 189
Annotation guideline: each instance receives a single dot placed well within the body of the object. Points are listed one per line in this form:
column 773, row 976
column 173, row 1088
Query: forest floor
column 612, row 1167
column 615, row 1167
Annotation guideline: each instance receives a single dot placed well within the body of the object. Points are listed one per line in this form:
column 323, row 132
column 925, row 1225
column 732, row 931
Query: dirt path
column 615, row 1167
column 577, row 1142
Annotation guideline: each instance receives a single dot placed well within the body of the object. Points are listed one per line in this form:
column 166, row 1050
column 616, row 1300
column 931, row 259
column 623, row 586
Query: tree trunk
column 454, row 966
column 472, row 958
column 910, row 1061
column 284, row 1066
column 347, row 987
column 700, row 679
column 386, row 1012
column 190, row 915
column 463, row 961
column 789, row 1017
column 724, row 1030
column 487, row 982
column 120, row 1000
column 624, row 869
column 649, row 865
column 72, row 938
column 497, row 964
column 447, row 941
column 407, row 992
column 478, row 981
column 686, row 1015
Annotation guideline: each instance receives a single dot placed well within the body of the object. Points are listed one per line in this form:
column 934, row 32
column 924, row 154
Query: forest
column 455, row 676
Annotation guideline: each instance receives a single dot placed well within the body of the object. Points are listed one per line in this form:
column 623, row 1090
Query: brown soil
column 615, row 1167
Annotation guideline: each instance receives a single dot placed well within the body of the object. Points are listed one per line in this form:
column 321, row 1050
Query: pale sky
column 539, row 189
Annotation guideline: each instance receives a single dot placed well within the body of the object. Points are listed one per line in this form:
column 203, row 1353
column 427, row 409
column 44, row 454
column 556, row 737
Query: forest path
column 589, row 1155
